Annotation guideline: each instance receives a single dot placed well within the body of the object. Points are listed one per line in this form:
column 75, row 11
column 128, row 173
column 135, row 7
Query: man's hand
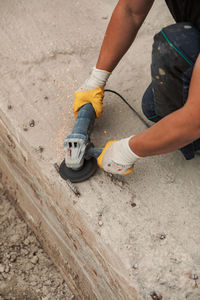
column 92, row 91
column 117, row 157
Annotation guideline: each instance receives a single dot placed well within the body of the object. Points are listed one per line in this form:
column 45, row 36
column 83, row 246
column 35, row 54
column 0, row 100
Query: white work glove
column 117, row 157
column 92, row 91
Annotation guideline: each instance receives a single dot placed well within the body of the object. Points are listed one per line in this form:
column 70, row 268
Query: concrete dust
column 26, row 271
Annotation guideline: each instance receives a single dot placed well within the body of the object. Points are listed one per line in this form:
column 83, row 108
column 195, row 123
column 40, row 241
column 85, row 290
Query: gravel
column 26, row 271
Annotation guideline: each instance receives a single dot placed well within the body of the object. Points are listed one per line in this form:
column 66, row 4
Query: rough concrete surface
column 149, row 236
column 26, row 272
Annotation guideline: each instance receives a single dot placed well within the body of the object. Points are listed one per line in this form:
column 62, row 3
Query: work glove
column 117, row 157
column 92, row 91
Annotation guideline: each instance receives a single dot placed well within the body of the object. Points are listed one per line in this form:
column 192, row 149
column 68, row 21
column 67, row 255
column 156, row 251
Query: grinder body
column 80, row 154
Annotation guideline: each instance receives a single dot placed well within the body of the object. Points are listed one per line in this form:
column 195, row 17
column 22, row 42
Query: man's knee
column 178, row 37
column 175, row 50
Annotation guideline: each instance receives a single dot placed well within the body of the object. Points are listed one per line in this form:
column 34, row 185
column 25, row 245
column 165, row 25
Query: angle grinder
column 80, row 155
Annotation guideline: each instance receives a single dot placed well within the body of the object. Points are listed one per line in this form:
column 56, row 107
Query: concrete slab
column 150, row 234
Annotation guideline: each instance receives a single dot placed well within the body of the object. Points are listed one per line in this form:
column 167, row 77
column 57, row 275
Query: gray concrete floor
column 47, row 50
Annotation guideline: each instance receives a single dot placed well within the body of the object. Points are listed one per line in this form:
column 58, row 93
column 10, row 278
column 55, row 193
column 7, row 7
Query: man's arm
column 175, row 130
column 125, row 22
column 171, row 133
column 122, row 29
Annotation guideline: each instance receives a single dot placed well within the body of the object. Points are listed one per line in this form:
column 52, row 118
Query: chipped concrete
column 110, row 240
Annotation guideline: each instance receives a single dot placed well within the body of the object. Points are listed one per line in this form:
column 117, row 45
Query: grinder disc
column 88, row 169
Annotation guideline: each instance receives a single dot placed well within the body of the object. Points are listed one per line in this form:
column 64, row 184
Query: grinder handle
column 94, row 152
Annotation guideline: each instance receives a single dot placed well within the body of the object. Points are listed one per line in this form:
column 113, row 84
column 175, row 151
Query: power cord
column 126, row 102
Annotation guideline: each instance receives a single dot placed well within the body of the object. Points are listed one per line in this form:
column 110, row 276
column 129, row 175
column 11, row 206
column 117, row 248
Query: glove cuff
column 128, row 154
column 98, row 77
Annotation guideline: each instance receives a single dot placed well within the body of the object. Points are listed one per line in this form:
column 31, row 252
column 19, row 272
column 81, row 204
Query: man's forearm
column 120, row 34
column 171, row 133
column 175, row 130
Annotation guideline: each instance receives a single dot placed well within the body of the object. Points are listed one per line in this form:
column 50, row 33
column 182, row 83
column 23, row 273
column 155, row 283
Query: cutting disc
column 88, row 169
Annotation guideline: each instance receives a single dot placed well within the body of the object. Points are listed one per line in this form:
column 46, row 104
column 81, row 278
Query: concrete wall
column 49, row 208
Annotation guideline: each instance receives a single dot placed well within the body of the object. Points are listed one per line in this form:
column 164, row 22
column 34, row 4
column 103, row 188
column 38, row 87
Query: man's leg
column 148, row 106
column 175, row 51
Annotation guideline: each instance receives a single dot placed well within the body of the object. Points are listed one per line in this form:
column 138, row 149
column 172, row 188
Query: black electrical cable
column 125, row 101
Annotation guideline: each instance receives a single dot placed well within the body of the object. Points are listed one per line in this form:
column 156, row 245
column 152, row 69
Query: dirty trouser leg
column 148, row 105
column 175, row 50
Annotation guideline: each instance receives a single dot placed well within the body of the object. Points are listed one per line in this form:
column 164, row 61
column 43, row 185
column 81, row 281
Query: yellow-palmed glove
column 92, row 91
column 117, row 157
